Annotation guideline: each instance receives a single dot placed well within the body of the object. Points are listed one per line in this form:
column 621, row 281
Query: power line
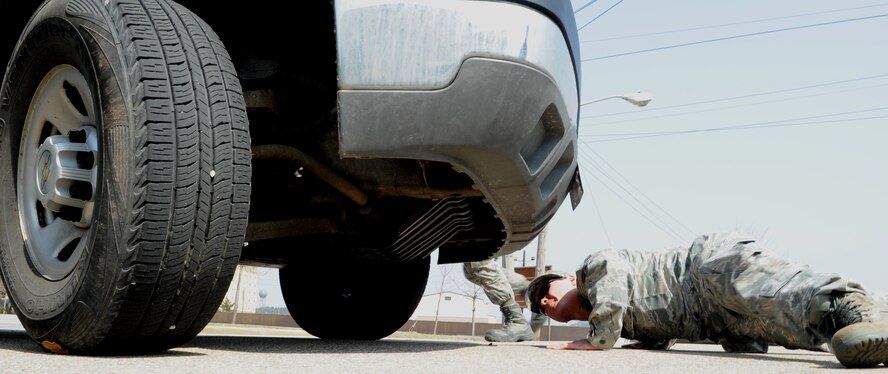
column 598, row 213
column 599, row 16
column 642, row 204
column 728, row 24
column 748, row 125
column 662, row 224
column 652, row 135
column 596, row 154
column 584, row 6
column 735, row 37
column 630, row 205
column 636, row 120
column 742, row 96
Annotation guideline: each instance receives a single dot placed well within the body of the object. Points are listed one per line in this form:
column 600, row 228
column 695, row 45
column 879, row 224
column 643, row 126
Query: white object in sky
column 639, row 98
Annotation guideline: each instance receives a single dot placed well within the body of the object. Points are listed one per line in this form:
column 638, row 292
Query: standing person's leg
column 519, row 285
column 491, row 278
column 768, row 299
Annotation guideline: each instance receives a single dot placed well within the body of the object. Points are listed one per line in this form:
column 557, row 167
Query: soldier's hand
column 576, row 345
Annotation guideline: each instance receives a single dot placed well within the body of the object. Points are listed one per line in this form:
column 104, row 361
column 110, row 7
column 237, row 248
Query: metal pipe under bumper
column 285, row 152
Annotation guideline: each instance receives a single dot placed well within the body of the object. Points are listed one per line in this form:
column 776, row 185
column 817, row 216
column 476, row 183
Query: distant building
column 244, row 289
column 454, row 308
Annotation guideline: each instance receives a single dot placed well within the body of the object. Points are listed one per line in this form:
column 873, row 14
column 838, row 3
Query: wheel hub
column 64, row 180
column 58, row 172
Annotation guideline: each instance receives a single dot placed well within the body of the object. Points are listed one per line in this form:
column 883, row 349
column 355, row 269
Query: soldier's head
column 554, row 295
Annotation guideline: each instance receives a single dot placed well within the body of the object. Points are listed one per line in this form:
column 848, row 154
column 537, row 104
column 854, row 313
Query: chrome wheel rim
column 58, row 172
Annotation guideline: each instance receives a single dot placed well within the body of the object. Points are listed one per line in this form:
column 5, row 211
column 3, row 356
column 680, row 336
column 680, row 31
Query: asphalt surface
column 244, row 349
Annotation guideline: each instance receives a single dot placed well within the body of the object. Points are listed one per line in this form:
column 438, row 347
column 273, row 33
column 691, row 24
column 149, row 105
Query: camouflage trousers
column 499, row 284
column 748, row 298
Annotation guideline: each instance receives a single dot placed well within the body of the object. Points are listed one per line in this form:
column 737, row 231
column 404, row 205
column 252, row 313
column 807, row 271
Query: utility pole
column 541, row 253
column 541, row 268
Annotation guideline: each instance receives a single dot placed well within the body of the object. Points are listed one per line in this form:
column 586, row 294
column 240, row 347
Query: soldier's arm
column 604, row 329
column 606, row 279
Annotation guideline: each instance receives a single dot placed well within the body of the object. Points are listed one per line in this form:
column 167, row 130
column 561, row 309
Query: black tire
column 168, row 213
column 353, row 300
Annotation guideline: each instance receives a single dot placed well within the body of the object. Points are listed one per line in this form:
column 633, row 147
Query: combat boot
column 859, row 330
column 537, row 321
column 862, row 345
column 515, row 327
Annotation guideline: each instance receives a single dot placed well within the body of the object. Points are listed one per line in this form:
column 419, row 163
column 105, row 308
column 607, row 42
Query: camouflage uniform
column 500, row 286
column 725, row 287
column 492, row 279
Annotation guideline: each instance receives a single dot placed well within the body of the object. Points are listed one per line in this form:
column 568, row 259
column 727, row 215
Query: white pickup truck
column 148, row 147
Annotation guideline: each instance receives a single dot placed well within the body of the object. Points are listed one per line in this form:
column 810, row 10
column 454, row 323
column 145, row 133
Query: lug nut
column 86, row 160
column 77, row 136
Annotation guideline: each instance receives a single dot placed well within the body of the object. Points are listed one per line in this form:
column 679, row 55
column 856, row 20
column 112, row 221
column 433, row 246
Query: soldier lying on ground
column 726, row 288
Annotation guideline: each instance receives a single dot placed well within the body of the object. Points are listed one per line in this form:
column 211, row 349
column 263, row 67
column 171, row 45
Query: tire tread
column 188, row 227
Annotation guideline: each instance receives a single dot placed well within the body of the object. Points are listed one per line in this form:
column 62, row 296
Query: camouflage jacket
column 649, row 296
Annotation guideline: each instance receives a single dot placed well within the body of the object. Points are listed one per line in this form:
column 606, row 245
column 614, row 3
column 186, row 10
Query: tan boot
column 515, row 327
column 862, row 345
column 860, row 327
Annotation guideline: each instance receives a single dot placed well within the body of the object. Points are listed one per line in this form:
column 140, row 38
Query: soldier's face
column 552, row 303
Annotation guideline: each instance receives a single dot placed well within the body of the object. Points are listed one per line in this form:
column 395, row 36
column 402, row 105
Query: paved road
column 287, row 350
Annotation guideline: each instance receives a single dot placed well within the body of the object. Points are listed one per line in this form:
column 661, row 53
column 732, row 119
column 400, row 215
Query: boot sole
column 861, row 345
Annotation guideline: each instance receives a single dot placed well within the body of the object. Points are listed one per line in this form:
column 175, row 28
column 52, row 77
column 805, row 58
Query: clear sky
column 802, row 170
column 804, row 167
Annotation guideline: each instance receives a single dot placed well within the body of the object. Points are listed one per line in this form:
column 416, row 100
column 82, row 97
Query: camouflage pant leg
column 518, row 282
column 491, row 278
column 749, row 295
